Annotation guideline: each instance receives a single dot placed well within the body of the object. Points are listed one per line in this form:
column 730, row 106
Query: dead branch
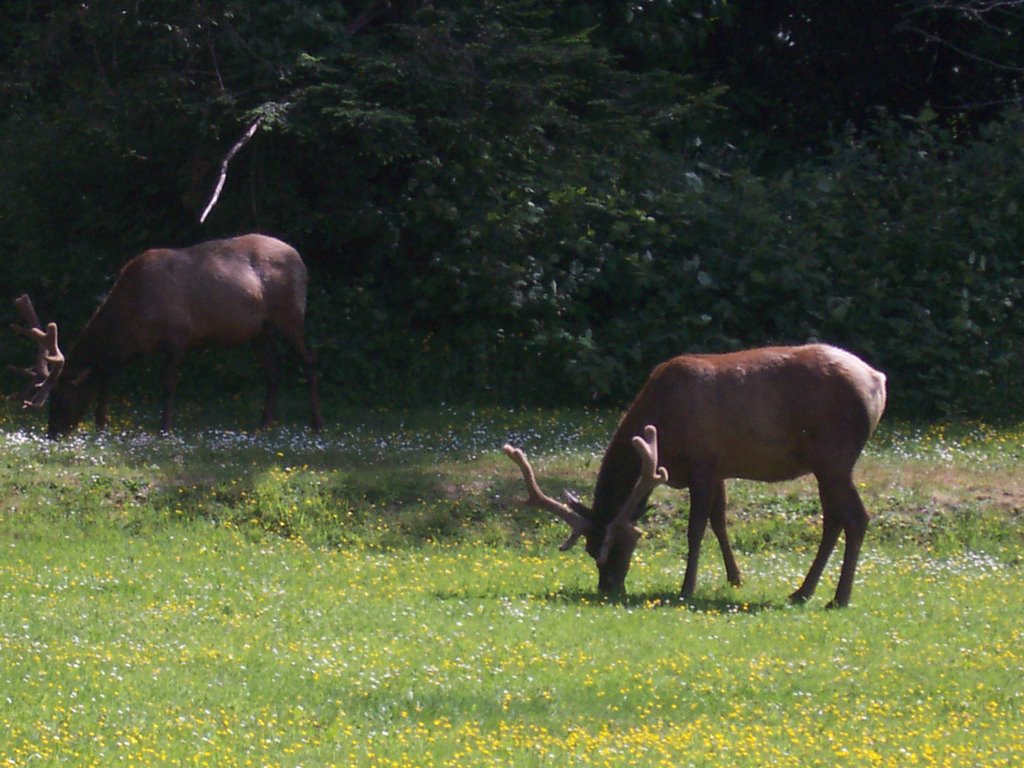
column 249, row 133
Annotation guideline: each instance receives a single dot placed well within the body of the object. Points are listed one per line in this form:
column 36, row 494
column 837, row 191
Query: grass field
column 375, row 596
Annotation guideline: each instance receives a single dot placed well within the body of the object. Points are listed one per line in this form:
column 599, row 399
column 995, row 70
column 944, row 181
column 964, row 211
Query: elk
column 167, row 301
column 768, row 414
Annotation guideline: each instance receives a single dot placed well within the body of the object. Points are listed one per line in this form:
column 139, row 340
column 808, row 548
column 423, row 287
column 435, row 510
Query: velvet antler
column 651, row 476
column 537, row 498
column 50, row 360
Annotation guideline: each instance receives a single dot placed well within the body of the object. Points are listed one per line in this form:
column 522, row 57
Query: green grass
column 376, row 596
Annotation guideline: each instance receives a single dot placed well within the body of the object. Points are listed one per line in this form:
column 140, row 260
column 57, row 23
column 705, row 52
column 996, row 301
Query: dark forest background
column 509, row 201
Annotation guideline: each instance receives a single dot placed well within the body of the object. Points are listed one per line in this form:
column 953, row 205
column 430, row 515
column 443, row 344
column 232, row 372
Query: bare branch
column 933, row 38
column 249, row 133
column 1000, row 17
column 970, row 7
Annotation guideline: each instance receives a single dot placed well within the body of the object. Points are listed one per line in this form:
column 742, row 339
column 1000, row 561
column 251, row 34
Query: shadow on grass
column 654, row 599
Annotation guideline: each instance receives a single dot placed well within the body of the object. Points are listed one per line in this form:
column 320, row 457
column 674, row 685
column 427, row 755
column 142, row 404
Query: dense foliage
column 513, row 200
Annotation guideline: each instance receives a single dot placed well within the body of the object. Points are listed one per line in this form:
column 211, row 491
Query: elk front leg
column 702, row 497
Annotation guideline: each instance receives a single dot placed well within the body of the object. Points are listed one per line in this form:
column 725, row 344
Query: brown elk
column 166, row 301
column 767, row 414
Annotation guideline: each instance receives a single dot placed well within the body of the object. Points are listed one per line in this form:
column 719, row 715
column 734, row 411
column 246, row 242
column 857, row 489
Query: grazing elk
column 763, row 414
column 223, row 291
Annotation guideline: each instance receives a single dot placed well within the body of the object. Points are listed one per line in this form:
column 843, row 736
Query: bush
column 496, row 209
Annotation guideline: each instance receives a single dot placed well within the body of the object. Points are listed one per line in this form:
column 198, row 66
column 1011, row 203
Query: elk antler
column 651, row 476
column 50, row 361
column 537, row 498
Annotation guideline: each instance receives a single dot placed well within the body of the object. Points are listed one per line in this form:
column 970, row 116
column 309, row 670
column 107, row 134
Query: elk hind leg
column 295, row 336
column 718, row 525
column 266, row 353
column 831, row 527
column 842, row 512
column 170, row 385
column 102, row 405
column 850, row 509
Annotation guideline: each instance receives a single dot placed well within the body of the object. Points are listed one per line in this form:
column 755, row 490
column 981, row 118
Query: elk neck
column 620, row 469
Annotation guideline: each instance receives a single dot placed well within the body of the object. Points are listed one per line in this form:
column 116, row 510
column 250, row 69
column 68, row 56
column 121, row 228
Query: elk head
column 68, row 401
column 612, row 544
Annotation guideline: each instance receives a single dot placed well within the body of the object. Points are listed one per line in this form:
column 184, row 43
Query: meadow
column 376, row 595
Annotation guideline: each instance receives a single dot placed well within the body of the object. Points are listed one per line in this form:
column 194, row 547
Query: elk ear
column 81, row 378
